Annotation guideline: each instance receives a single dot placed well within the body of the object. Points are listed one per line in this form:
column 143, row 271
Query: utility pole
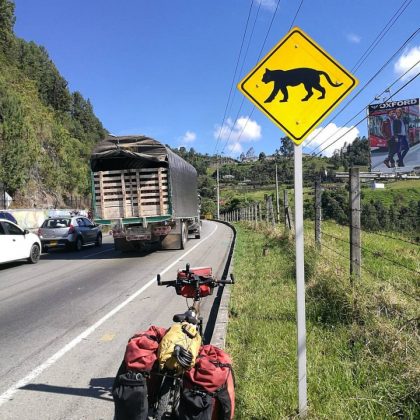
column 218, row 189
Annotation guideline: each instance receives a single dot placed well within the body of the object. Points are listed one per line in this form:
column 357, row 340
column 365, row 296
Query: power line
column 362, row 110
column 297, row 12
column 243, row 99
column 363, row 119
column 362, row 89
column 381, row 35
column 240, row 71
column 234, row 75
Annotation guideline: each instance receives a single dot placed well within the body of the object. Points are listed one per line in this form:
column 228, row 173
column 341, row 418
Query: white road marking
column 7, row 395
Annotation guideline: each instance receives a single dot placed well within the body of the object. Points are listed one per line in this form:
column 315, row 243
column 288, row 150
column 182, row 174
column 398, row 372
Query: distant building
column 250, row 159
column 377, row 186
column 228, row 177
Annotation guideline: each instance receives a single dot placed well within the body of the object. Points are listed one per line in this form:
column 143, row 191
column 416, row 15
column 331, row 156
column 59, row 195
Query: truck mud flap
column 177, row 239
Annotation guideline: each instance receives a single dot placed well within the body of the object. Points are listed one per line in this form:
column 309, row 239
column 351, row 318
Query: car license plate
column 53, row 243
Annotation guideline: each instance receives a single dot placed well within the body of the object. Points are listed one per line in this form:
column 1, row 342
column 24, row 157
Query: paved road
column 64, row 322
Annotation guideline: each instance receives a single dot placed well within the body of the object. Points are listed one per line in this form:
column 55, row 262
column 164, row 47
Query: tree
column 7, row 21
column 250, row 153
column 15, row 151
column 286, row 148
column 262, row 156
column 208, row 206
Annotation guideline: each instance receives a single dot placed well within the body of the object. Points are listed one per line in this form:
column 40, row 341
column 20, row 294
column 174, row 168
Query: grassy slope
column 362, row 342
column 401, row 192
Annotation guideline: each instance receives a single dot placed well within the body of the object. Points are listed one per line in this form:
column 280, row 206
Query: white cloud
column 406, row 61
column 353, row 38
column 243, row 130
column 328, row 135
column 189, row 137
column 268, row 4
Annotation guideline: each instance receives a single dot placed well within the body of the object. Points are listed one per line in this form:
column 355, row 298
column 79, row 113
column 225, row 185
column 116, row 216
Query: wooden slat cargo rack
column 145, row 192
column 132, row 193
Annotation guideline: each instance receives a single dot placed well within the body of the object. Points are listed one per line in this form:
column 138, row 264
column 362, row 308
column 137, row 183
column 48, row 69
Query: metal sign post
column 282, row 86
column 300, row 284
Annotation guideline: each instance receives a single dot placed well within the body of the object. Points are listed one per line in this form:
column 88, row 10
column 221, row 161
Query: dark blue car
column 6, row 215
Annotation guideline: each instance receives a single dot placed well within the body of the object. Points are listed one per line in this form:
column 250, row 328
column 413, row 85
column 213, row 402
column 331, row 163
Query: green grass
column 400, row 192
column 362, row 340
column 249, row 195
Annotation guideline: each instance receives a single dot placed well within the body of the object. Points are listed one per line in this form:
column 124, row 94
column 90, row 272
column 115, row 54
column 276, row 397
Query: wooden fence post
column 272, row 216
column 256, row 214
column 267, row 210
column 355, row 225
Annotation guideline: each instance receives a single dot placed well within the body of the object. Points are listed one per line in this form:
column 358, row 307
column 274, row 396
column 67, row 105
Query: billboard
column 394, row 136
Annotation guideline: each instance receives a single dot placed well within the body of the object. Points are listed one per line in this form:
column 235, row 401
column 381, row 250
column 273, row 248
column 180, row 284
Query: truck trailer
column 145, row 192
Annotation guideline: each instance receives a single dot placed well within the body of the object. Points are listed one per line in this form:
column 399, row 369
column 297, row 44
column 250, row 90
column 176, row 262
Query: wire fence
column 274, row 211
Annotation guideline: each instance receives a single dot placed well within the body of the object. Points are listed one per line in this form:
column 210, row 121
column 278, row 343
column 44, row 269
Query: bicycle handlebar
column 201, row 280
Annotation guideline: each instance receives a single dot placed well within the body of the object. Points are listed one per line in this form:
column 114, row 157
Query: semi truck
column 145, row 192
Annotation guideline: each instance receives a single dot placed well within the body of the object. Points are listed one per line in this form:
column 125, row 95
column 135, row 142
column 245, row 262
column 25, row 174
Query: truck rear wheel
column 198, row 233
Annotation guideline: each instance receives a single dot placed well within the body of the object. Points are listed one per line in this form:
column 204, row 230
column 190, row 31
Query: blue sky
column 165, row 68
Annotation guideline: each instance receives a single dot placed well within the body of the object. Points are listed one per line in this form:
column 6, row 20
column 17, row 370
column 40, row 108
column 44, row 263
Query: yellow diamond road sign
column 297, row 84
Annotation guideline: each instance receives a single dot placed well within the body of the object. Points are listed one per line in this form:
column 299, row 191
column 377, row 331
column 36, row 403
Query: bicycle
column 195, row 283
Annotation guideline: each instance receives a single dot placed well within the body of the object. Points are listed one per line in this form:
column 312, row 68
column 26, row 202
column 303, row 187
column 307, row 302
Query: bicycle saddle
column 188, row 316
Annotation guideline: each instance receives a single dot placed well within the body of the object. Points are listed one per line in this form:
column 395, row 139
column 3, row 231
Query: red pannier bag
column 209, row 387
column 141, row 351
column 188, row 290
column 135, row 386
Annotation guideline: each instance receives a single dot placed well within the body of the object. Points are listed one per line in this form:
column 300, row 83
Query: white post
column 300, row 284
column 277, row 198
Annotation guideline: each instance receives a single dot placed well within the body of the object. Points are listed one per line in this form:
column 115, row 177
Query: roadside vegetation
column 47, row 132
column 362, row 336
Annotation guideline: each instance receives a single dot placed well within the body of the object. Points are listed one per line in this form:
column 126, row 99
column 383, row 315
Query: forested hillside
column 46, row 131
column 258, row 175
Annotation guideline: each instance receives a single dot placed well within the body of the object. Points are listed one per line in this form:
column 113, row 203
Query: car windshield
column 56, row 223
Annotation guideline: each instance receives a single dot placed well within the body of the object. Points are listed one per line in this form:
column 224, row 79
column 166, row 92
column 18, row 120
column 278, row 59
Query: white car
column 18, row 244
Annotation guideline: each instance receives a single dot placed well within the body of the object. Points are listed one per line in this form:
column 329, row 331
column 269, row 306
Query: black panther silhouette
column 284, row 78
